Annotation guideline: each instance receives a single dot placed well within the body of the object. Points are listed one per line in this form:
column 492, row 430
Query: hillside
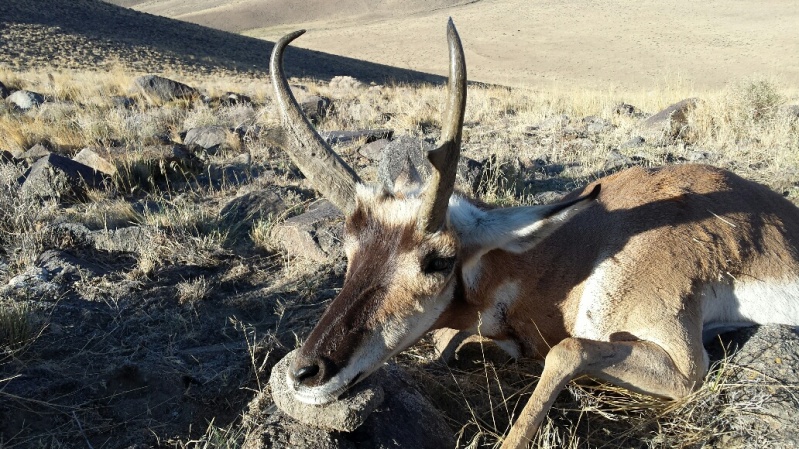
column 91, row 34
column 598, row 44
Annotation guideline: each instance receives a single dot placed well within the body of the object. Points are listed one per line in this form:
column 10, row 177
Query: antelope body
column 619, row 281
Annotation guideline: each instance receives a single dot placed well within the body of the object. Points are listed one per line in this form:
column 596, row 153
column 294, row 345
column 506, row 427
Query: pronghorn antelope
column 619, row 284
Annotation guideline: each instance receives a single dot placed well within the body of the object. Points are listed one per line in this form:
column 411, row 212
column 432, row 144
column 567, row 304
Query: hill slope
column 91, row 33
column 624, row 43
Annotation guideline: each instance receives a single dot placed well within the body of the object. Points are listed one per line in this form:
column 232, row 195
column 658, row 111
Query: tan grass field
column 604, row 44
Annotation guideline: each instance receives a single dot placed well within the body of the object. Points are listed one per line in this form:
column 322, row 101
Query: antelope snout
column 309, row 371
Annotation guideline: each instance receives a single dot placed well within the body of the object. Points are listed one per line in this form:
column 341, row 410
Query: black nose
column 305, row 373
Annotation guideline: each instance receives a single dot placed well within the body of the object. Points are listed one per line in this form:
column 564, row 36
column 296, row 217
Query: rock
column 35, row 152
column 553, row 123
column 314, row 235
column 388, row 426
column 65, row 268
column 616, row 160
column 4, row 92
column 370, row 135
column 670, row 122
column 345, row 82
column 762, row 375
column 122, row 240
column 396, row 157
column 120, row 101
column 346, row 414
column 596, row 125
column 240, row 213
column 373, row 150
column 548, row 197
column 90, row 158
column 25, row 99
column 232, row 99
column 626, row 109
column 316, row 107
column 470, row 173
column 792, row 111
column 59, row 177
column 635, row 142
column 209, row 138
column 278, row 431
column 163, row 89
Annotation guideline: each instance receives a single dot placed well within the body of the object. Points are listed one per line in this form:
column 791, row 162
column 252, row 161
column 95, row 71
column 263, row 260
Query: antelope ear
column 519, row 229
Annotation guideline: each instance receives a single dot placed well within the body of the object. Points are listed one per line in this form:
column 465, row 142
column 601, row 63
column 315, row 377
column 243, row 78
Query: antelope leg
column 638, row 365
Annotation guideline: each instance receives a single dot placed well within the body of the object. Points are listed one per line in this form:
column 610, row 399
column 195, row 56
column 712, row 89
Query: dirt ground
column 598, row 44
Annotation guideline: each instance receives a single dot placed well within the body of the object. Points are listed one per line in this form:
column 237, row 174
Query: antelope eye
column 438, row 264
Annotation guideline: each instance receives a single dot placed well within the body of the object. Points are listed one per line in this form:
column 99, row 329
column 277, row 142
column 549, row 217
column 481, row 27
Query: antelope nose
column 305, row 373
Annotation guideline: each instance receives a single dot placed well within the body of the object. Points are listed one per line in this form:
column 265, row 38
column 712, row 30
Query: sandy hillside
column 624, row 43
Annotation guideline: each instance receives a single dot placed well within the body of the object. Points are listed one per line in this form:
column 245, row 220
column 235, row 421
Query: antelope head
column 404, row 252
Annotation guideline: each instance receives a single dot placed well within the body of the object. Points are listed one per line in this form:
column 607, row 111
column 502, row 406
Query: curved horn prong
column 445, row 158
column 325, row 169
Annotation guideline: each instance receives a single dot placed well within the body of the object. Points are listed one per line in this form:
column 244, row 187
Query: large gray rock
column 164, row 89
column 671, row 122
column 239, row 214
column 397, row 156
column 25, row 99
column 209, row 138
column 314, row 235
column 60, row 178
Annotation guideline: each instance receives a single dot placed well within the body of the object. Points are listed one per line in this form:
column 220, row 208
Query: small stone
column 615, row 160
column 312, row 235
column 120, row 101
column 345, row 414
column 232, row 99
column 25, row 100
column 209, row 138
column 635, row 142
column 35, row 152
column 373, row 150
column 626, row 109
column 90, row 158
column 316, row 107
column 596, row 125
